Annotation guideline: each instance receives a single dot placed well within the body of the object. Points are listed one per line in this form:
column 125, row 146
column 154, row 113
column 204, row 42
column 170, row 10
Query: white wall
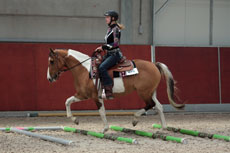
column 183, row 22
column 221, row 25
column 187, row 22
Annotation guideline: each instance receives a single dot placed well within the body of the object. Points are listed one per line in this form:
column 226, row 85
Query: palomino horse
column 145, row 83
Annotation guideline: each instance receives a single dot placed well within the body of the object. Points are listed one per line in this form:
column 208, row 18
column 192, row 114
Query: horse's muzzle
column 51, row 80
column 54, row 78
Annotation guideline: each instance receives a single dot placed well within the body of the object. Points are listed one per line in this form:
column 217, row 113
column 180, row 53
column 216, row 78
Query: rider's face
column 107, row 19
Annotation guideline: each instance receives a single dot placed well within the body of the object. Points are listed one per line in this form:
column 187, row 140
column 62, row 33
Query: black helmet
column 112, row 14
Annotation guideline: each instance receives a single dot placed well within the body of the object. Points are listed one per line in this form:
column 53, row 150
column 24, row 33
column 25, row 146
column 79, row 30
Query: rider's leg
column 106, row 80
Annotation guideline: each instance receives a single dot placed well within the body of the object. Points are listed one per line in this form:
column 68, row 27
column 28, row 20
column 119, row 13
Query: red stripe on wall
column 24, row 84
column 196, row 71
column 225, row 74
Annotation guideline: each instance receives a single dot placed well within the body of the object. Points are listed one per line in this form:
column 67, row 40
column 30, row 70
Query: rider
column 114, row 55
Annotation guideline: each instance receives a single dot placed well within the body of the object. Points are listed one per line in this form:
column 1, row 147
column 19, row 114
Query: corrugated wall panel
column 196, row 71
column 24, row 85
column 225, row 74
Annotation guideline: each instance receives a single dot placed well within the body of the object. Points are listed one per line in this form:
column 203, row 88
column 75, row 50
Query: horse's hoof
column 135, row 123
column 164, row 128
column 105, row 129
column 75, row 120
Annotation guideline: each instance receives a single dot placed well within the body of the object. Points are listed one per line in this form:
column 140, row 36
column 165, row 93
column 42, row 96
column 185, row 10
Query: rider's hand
column 99, row 49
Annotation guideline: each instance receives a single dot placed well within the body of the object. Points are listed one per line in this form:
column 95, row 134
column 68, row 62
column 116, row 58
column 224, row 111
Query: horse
column 144, row 83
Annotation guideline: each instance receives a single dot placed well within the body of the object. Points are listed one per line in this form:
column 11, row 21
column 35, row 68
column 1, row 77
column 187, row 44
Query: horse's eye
column 51, row 62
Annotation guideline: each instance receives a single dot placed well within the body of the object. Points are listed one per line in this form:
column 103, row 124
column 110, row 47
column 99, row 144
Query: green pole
column 5, row 129
column 226, row 138
column 33, row 128
column 148, row 134
column 100, row 135
column 194, row 133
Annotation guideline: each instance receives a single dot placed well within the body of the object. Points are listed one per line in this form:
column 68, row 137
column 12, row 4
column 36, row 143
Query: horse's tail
column 170, row 84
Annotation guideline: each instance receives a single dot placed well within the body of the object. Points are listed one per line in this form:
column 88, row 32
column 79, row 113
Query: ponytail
column 121, row 26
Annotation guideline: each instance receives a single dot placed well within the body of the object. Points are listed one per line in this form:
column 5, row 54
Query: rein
column 60, row 71
column 74, row 66
column 94, row 55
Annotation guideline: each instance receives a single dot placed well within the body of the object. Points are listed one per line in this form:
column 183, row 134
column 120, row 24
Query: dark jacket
column 112, row 38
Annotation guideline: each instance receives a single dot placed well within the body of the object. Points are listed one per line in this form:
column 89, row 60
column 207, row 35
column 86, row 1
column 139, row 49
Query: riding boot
column 109, row 92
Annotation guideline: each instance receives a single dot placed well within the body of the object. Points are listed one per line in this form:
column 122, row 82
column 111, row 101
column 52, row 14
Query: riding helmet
column 113, row 14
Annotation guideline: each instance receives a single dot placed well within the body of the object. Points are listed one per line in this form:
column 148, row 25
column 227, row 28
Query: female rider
column 114, row 55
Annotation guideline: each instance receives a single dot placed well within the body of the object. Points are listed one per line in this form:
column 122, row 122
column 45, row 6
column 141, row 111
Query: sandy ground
column 210, row 123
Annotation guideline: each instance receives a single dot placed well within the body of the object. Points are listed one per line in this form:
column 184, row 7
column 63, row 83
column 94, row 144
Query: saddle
column 124, row 68
column 123, row 65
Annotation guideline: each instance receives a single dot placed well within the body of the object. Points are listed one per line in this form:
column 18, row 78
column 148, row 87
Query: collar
column 113, row 25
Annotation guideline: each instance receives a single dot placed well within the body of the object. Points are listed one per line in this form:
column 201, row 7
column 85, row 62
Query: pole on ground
column 44, row 137
column 149, row 134
column 194, row 133
column 100, row 135
column 33, row 128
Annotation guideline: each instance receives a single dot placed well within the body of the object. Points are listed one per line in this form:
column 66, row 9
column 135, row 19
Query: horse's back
column 148, row 77
column 147, row 67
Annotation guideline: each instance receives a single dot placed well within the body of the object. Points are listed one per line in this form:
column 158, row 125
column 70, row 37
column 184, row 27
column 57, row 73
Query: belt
column 114, row 50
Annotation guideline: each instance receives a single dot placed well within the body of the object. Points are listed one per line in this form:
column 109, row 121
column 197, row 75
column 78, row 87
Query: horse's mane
column 80, row 57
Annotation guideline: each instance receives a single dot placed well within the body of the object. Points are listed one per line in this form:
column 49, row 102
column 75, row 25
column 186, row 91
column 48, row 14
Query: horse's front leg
column 68, row 103
column 100, row 105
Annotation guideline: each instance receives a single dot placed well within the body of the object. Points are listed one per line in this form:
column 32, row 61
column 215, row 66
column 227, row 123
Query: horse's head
column 55, row 65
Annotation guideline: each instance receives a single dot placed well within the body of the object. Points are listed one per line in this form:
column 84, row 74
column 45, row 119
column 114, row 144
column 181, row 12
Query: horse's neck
column 80, row 72
column 80, row 57
column 62, row 52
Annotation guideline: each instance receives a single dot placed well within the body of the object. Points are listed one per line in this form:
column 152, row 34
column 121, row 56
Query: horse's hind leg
column 149, row 104
column 137, row 115
column 68, row 103
column 159, row 108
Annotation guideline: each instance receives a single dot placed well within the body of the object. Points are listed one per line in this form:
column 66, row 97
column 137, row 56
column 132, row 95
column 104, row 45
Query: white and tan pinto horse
column 145, row 83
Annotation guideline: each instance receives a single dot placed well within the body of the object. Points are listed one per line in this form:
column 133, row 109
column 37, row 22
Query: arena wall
column 24, row 84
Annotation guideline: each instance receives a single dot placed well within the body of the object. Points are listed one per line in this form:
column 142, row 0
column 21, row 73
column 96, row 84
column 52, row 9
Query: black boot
column 109, row 92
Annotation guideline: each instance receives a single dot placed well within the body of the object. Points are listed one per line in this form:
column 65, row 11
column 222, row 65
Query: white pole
column 44, row 137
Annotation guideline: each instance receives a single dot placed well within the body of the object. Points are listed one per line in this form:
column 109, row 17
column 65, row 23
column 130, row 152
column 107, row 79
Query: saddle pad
column 126, row 73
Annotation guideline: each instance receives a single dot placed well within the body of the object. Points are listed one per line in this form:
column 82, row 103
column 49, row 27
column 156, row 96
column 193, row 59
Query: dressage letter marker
column 100, row 135
column 194, row 133
column 149, row 134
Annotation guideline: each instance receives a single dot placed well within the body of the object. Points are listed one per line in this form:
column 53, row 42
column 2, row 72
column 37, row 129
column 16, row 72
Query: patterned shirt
column 112, row 38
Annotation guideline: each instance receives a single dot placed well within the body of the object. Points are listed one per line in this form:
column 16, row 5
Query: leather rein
column 60, row 71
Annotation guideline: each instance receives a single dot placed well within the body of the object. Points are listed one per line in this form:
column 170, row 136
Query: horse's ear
column 51, row 52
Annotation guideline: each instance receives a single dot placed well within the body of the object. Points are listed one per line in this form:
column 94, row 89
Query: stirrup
column 106, row 97
column 107, row 93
